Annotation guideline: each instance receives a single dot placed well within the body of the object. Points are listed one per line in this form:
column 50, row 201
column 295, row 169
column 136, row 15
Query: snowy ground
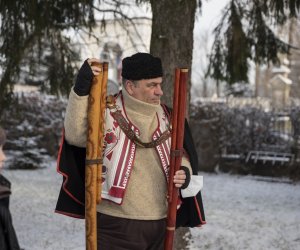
column 32, row 206
column 246, row 212
column 242, row 213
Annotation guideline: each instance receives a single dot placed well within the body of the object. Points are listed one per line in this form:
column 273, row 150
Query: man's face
column 146, row 90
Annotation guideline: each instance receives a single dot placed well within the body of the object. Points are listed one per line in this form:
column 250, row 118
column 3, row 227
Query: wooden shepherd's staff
column 178, row 118
column 94, row 148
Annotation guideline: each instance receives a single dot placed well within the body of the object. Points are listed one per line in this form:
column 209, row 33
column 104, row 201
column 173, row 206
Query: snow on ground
column 242, row 212
column 32, row 206
column 246, row 212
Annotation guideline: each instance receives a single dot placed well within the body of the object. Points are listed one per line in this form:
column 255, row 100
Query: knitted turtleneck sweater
column 145, row 196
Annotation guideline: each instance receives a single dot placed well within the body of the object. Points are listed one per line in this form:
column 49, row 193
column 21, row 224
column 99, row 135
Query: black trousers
column 115, row 233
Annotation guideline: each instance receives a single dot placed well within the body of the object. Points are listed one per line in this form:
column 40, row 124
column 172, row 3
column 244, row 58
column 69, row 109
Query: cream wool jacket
column 145, row 196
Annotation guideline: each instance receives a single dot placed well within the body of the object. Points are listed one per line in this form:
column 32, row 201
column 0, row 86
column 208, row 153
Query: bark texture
column 172, row 39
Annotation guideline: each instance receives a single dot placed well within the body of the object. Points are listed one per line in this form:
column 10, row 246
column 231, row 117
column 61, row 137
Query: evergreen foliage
column 34, row 125
column 244, row 34
column 33, row 38
column 28, row 29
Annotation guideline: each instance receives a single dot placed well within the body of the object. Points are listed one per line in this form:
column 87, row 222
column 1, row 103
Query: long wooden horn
column 178, row 117
column 94, row 152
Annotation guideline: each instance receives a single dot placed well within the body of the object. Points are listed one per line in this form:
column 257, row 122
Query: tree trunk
column 172, row 39
column 182, row 236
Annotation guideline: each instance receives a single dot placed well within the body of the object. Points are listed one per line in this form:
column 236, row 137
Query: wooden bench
column 269, row 157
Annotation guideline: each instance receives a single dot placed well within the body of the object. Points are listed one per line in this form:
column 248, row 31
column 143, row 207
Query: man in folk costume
column 132, row 213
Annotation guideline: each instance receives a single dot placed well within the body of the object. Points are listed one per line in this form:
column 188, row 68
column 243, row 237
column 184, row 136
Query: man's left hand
column 179, row 178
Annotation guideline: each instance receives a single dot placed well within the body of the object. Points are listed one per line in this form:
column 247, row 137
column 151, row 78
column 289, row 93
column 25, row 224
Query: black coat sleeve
column 191, row 211
column 8, row 237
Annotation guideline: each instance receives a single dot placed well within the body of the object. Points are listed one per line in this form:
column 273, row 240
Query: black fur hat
column 141, row 66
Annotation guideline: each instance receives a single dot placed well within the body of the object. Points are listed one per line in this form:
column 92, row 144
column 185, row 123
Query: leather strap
column 124, row 125
column 176, row 153
column 93, row 161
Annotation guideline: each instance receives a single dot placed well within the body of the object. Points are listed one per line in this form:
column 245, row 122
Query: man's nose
column 158, row 91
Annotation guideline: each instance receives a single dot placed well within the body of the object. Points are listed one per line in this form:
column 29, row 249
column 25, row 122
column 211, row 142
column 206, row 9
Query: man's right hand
column 85, row 76
column 95, row 69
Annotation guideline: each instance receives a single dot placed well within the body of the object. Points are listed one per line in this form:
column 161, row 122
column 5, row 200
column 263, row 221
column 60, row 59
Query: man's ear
column 129, row 85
